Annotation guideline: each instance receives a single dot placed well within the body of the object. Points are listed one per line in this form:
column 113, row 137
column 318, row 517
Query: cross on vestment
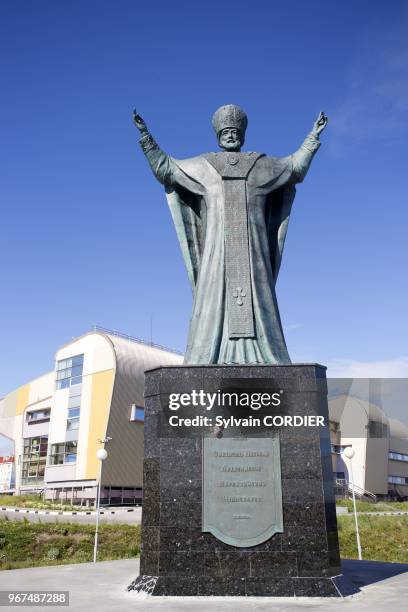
column 239, row 293
column 234, row 169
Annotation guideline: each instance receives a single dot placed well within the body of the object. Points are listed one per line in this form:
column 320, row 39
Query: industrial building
column 380, row 464
column 57, row 421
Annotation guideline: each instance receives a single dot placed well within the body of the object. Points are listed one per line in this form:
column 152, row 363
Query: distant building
column 380, row 464
column 95, row 392
column 7, row 474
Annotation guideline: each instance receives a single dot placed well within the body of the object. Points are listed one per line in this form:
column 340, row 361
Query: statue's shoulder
column 190, row 163
column 196, row 168
column 269, row 168
column 273, row 164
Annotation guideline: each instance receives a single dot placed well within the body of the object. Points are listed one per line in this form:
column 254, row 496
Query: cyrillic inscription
column 251, row 511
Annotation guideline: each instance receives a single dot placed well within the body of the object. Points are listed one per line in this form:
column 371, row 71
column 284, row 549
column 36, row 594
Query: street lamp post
column 349, row 453
column 101, row 455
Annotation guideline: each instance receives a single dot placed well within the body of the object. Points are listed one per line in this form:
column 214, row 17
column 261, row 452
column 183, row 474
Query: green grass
column 24, row 544
column 381, row 506
column 33, row 501
column 383, row 538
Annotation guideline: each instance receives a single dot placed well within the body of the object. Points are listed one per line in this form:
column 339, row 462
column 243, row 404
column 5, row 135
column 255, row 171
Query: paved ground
column 102, row 586
column 118, row 515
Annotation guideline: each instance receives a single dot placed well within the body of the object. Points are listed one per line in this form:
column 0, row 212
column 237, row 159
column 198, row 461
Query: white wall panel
column 59, row 415
column 59, row 473
column 31, row 430
column 83, row 431
column 41, row 388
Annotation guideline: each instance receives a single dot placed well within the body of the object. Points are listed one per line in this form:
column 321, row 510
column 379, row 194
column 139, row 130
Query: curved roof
column 338, row 403
column 133, row 358
column 398, row 429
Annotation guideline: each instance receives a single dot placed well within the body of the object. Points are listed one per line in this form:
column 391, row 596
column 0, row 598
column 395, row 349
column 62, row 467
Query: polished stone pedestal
column 177, row 557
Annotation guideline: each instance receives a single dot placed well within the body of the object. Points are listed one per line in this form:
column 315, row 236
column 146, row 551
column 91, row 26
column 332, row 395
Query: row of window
column 35, row 416
column 69, row 374
column 65, row 364
column 35, row 455
column 42, row 416
column 65, row 452
column 377, row 429
column 73, row 418
column 397, row 456
column 398, row 480
column 69, row 371
column 35, row 448
column 33, row 471
column 137, row 414
column 68, row 382
column 34, row 459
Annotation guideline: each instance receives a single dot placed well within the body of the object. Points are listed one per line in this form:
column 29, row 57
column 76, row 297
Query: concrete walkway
column 102, row 586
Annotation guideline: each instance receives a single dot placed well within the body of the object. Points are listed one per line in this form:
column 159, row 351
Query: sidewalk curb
column 65, row 512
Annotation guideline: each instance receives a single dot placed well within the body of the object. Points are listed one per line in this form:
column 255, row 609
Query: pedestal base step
column 205, row 586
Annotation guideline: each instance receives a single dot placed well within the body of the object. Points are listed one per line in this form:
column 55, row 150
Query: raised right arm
column 163, row 166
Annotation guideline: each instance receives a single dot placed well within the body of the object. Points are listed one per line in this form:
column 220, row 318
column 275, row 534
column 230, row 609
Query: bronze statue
column 231, row 211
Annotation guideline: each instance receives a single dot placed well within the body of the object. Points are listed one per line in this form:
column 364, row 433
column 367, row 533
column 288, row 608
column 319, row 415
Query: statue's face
column 230, row 139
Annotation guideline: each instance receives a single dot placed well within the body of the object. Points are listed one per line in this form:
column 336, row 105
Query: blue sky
column 86, row 235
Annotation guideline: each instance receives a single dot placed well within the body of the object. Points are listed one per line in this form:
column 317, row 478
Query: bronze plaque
column 242, row 490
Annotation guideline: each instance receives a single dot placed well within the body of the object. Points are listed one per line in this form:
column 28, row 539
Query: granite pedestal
column 177, row 557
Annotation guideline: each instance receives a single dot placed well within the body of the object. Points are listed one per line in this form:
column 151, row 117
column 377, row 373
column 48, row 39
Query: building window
column 73, row 418
column 38, row 416
column 376, row 429
column 34, row 459
column 337, row 449
column 397, row 456
column 398, row 480
column 65, row 452
column 71, row 451
column 69, row 371
column 137, row 413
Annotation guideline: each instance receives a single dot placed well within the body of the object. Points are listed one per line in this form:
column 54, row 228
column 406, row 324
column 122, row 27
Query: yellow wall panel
column 23, row 394
column 102, row 386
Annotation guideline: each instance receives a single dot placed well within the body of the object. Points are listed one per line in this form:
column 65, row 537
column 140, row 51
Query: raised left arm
column 302, row 159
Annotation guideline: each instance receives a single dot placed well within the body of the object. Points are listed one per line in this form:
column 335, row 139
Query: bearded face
column 230, row 139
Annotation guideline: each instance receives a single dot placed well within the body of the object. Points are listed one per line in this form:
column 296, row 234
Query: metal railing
column 114, row 332
column 342, row 488
column 361, row 493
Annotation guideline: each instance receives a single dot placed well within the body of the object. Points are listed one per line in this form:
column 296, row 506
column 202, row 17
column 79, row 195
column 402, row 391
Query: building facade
column 380, row 463
column 57, row 421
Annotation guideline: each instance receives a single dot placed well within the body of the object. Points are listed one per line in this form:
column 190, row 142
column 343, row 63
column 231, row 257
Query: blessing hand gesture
column 320, row 124
column 139, row 122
